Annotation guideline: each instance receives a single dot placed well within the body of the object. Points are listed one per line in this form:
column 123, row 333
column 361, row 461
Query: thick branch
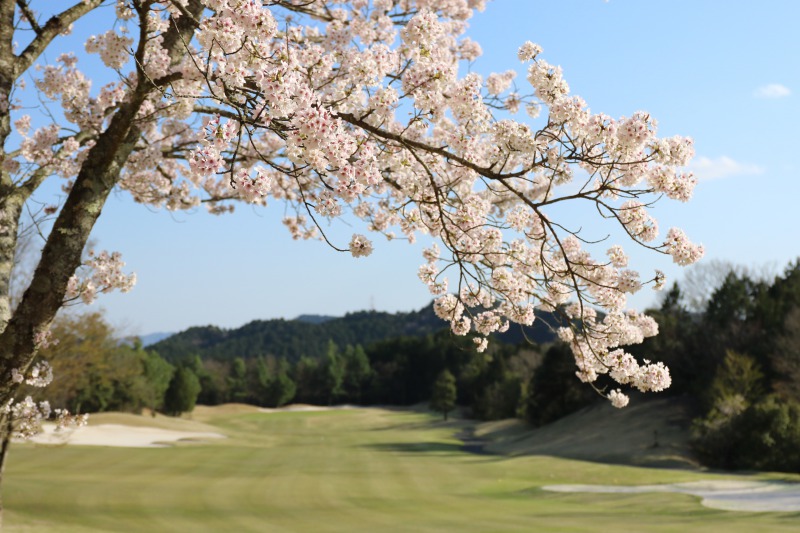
column 10, row 206
column 438, row 150
column 52, row 29
column 180, row 30
column 6, row 78
column 10, row 209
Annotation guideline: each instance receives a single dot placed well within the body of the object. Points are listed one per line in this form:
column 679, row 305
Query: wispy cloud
column 772, row 91
column 706, row 168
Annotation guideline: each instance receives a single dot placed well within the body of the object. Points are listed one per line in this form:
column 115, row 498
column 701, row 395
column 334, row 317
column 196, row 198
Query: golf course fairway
column 348, row 470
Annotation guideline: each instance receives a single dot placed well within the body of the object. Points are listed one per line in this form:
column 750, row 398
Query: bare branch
column 31, row 18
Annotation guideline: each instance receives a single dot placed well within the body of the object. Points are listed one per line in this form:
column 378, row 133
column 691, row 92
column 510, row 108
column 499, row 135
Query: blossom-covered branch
column 357, row 109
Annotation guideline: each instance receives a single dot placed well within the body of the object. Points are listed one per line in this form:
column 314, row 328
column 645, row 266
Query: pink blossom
column 618, row 399
column 360, row 246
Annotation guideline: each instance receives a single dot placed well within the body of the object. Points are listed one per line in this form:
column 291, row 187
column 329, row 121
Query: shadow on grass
column 431, row 423
column 433, row 448
column 425, row 448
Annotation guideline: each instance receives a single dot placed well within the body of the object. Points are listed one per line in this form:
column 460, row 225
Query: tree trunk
column 61, row 255
column 62, row 252
column 6, row 428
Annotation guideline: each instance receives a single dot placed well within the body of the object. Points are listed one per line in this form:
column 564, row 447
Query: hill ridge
column 292, row 339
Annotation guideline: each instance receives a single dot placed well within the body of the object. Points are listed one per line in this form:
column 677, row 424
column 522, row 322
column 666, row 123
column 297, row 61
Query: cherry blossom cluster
column 112, row 46
column 683, row 251
column 360, row 246
column 27, row 415
column 102, row 272
column 618, row 399
column 597, row 351
column 40, row 375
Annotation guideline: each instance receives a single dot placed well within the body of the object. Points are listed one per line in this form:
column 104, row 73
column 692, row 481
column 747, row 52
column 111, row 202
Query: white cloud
column 773, row 90
column 706, row 168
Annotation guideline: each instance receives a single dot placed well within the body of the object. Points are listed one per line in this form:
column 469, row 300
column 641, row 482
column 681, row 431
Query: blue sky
column 723, row 72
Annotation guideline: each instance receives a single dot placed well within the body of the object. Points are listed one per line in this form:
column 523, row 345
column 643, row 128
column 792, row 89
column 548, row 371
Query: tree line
column 94, row 371
column 737, row 359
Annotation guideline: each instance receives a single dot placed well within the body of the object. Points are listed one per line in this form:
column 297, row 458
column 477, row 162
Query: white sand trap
column 120, row 435
column 726, row 495
column 306, row 407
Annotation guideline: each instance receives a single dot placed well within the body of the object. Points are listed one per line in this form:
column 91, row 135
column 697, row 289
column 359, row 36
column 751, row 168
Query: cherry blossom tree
column 333, row 108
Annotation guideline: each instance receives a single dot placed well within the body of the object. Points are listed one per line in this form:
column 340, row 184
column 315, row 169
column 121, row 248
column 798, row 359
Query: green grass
column 358, row 470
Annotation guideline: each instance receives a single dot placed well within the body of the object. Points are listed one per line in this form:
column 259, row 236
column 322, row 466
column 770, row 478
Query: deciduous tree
column 331, row 108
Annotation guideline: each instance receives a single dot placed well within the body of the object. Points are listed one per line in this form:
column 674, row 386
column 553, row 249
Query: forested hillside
column 309, row 335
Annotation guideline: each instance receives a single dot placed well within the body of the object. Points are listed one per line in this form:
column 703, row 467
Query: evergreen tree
column 158, row 375
column 786, row 358
column 333, row 368
column 182, row 392
column 357, row 371
column 554, row 390
column 308, row 381
column 281, row 389
column 237, row 381
column 258, row 382
column 443, row 398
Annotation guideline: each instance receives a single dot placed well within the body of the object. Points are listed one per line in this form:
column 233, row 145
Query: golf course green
column 341, row 470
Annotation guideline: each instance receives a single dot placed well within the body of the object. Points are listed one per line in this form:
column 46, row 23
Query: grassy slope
column 357, row 470
column 649, row 432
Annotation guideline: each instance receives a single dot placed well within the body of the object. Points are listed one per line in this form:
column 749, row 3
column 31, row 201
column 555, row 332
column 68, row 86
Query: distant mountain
column 314, row 319
column 152, row 338
column 309, row 335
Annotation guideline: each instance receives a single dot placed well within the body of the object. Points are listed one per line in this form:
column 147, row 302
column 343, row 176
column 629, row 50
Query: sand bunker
column 121, row 435
column 725, row 495
column 306, row 407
